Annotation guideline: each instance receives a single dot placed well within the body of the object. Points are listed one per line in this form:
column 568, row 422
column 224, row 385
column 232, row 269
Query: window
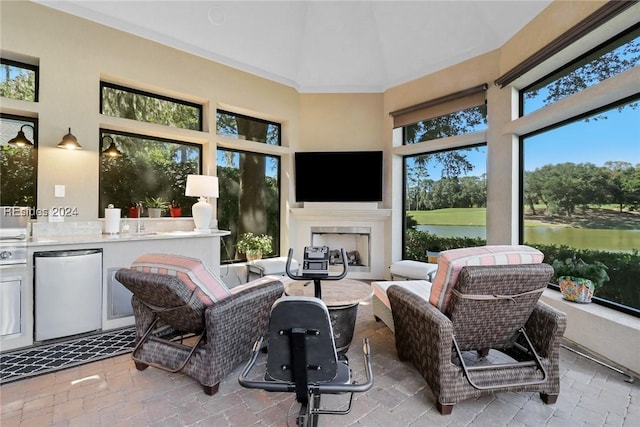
column 611, row 58
column 445, row 200
column 149, row 168
column 249, row 197
column 249, row 128
column 18, row 165
column 581, row 195
column 18, row 80
column 120, row 101
column 471, row 119
column 445, row 191
column 249, row 182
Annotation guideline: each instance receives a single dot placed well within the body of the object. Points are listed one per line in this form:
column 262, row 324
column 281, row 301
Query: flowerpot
column 133, row 212
column 155, row 212
column 432, row 257
column 576, row 289
column 253, row 255
column 175, row 212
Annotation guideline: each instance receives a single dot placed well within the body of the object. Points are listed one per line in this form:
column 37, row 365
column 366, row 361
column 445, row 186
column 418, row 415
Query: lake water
column 581, row 238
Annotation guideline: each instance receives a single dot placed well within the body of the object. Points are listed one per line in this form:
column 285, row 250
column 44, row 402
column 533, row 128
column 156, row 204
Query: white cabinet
column 15, row 307
column 10, row 311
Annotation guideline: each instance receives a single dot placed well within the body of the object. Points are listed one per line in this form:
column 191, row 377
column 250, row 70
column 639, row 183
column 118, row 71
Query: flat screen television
column 338, row 176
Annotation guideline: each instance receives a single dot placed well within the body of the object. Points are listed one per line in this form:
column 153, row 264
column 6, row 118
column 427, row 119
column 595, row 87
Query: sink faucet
column 140, row 224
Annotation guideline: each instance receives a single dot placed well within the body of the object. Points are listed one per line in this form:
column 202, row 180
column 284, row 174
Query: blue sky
column 616, row 138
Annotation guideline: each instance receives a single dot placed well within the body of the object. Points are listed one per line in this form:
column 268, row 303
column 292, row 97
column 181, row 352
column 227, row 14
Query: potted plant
column 578, row 279
column 254, row 246
column 135, row 210
column 175, row 209
column 155, row 205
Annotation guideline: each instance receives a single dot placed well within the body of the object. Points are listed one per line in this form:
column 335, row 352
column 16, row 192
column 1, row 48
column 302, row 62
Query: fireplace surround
column 347, row 225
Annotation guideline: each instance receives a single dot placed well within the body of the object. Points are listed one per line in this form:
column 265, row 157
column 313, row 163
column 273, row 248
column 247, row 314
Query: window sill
column 603, row 331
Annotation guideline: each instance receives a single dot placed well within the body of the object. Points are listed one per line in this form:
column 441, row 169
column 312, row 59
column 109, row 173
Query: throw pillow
column 192, row 271
column 451, row 262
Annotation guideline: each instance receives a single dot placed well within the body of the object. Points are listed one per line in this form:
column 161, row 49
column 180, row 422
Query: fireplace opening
column 354, row 240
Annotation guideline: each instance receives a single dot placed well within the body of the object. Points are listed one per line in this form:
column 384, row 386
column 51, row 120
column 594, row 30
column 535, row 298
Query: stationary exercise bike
column 315, row 266
column 302, row 355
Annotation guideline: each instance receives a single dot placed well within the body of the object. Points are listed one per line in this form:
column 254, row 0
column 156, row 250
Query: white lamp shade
column 201, row 186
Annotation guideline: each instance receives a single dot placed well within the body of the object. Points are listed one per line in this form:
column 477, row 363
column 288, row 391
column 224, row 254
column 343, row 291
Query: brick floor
column 113, row 393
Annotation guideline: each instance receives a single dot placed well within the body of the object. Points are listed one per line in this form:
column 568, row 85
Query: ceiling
column 321, row 46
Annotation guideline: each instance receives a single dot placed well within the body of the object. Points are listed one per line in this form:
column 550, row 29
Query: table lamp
column 202, row 186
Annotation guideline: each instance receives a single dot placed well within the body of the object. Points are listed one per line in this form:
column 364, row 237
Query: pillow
column 192, row 271
column 451, row 262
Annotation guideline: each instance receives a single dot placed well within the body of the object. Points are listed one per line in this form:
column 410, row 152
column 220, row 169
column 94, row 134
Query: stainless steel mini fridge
column 68, row 293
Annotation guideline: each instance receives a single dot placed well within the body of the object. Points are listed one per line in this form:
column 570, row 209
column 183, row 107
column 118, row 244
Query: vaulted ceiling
column 321, row 46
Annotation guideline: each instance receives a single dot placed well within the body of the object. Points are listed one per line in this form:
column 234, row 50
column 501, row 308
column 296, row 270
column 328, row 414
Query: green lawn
column 451, row 216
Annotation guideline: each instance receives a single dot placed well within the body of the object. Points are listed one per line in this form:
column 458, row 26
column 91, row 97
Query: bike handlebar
column 345, row 267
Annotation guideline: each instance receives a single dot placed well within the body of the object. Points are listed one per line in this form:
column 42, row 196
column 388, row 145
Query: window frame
column 33, row 121
column 277, row 242
column 129, row 134
column 569, row 66
column 452, row 147
column 115, row 86
column 521, row 238
column 252, row 118
column 34, row 68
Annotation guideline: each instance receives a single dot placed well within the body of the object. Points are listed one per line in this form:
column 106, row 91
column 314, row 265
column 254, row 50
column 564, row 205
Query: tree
column 17, row 83
column 624, row 184
column 591, row 70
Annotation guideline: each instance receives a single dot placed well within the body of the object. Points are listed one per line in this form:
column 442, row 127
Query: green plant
column 175, row 204
column 156, row 202
column 595, row 271
column 250, row 242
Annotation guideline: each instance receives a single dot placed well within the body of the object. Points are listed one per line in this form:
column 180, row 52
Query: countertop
column 115, row 238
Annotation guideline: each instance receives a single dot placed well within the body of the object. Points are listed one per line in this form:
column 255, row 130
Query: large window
column 607, row 60
column 249, row 184
column 445, row 190
column 445, row 200
column 120, row 101
column 149, row 168
column 18, row 165
column 18, row 80
column 581, row 177
column 581, row 195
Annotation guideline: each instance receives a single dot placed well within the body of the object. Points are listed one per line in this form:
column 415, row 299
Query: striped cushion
column 451, row 262
column 193, row 272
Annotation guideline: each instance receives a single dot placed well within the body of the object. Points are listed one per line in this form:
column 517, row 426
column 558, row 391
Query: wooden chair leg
column 211, row 390
column 549, row 399
column 444, row 409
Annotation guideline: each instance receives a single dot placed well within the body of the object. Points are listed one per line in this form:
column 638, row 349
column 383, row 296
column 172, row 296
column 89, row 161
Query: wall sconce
column 111, row 150
column 21, row 140
column 69, row 142
column 202, row 186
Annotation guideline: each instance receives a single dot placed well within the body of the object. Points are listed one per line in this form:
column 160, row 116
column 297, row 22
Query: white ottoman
column 408, row 269
column 380, row 302
column 270, row 267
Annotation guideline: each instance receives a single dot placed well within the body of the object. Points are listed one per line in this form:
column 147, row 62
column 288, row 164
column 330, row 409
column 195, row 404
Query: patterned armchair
column 493, row 336
column 187, row 321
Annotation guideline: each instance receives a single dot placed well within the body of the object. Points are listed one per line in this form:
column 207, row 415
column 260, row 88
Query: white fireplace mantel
column 325, row 211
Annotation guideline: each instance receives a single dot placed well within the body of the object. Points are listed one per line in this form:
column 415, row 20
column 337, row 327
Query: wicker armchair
column 495, row 335
column 176, row 331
